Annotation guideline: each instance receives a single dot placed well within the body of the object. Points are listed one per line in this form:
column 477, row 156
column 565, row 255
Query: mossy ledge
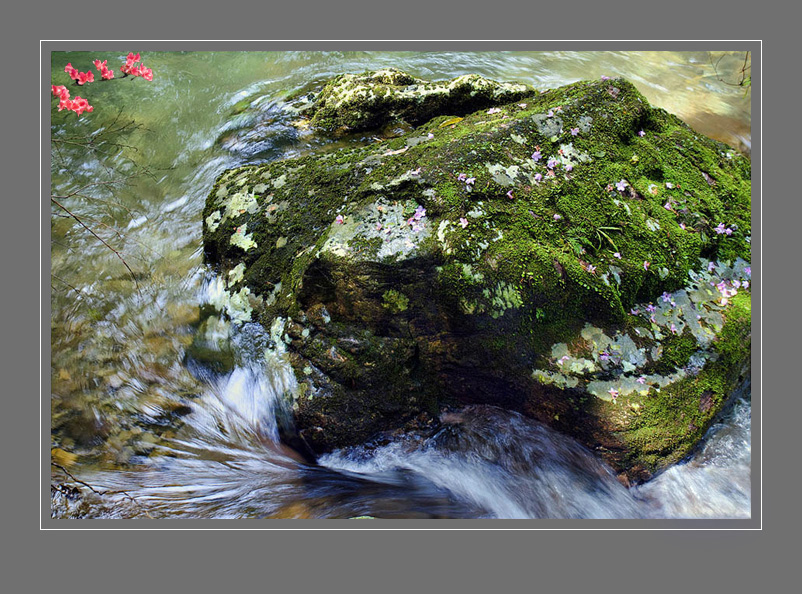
column 443, row 266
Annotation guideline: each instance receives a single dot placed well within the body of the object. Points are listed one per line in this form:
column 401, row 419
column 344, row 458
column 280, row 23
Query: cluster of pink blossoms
column 78, row 105
column 105, row 72
column 79, row 77
column 131, row 67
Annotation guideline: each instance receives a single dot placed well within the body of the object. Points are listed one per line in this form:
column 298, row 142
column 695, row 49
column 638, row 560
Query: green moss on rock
column 503, row 230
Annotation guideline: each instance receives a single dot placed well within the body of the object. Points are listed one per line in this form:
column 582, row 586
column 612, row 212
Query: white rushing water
column 483, row 462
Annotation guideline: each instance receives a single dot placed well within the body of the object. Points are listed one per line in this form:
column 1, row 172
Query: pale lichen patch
column 242, row 239
column 213, row 221
column 236, row 274
column 280, row 181
column 695, row 309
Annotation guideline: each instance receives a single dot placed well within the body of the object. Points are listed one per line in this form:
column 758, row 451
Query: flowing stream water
column 140, row 430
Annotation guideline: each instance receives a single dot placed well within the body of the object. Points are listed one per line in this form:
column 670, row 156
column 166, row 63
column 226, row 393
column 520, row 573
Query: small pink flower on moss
column 339, row 220
column 574, row 131
column 538, row 177
column 605, row 77
column 641, row 380
column 509, row 195
column 613, row 392
column 646, row 265
column 463, row 221
column 493, row 110
column 591, row 268
column 569, row 167
column 620, row 186
column 557, row 217
column 552, row 163
column 470, row 181
column 617, row 255
column 641, row 133
column 536, row 155
column 430, row 136
column 651, row 308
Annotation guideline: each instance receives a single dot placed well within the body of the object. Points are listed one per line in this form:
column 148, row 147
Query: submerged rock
column 464, row 260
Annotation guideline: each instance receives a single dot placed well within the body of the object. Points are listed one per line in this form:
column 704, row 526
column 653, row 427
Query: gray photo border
column 755, row 522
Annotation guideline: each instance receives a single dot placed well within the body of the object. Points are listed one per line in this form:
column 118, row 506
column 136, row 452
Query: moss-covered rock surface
column 548, row 251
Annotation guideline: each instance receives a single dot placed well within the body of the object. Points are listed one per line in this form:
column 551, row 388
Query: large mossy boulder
column 575, row 254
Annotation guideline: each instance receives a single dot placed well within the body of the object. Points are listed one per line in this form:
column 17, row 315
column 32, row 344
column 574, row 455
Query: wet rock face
column 495, row 254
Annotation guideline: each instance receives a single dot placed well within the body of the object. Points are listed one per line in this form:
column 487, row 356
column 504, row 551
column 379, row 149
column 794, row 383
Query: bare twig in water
column 102, row 493
column 99, row 238
column 66, row 283
column 745, row 80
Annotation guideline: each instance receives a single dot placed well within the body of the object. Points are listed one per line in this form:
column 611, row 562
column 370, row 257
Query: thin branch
column 101, row 493
column 100, row 239
column 66, row 283
column 743, row 70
